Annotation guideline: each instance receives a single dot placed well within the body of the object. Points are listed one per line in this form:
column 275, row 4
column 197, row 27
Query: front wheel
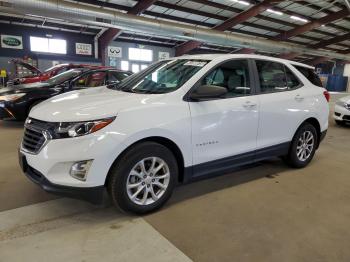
column 144, row 178
column 303, row 146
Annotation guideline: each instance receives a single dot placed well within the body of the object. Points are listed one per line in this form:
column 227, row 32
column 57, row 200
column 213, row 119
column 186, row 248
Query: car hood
column 345, row 99
column 24, row 88
column 89, row 104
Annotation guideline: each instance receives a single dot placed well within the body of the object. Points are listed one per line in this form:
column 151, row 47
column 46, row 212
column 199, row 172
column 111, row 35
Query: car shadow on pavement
column 10, row 124
column 269, row 169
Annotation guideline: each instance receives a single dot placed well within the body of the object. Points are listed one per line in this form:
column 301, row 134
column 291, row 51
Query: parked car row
column 179, row 120
column 16, row 102
column 39, row 76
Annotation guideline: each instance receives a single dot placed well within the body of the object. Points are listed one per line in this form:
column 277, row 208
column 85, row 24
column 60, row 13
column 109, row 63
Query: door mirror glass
column 205, row 92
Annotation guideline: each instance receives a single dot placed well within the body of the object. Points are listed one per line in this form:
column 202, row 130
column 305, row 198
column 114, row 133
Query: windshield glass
column 162, row 77
column 59, row 79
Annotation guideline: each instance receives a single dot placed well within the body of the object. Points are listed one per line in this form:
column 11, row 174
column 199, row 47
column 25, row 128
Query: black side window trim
column 253, row 86
column 257, row 79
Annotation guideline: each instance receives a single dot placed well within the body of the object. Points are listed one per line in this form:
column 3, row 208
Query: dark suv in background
column 16, row 102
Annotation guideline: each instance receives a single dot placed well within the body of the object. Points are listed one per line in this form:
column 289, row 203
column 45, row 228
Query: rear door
column 224, row 130
column 282, row 104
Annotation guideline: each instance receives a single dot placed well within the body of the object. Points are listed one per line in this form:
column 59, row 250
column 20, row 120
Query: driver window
column 233, row 75
column 91, row 80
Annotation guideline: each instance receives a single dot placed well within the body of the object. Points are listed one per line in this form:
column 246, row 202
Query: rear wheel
column 144, row 178
column 303, row 146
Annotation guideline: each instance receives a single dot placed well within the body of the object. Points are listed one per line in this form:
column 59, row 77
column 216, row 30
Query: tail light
column 327, row 95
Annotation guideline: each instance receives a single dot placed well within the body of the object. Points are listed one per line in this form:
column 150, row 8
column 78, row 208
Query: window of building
column 135, row 68
column 124, row 65
column 48, row 45
column 144, row 67
column 140, row 54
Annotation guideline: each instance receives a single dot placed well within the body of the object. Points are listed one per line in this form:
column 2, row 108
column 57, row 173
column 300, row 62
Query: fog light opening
column 80, row 169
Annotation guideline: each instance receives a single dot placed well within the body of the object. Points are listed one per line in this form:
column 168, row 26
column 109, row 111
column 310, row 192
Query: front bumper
column 341, row 113
column 91, row 194
column 50, row 168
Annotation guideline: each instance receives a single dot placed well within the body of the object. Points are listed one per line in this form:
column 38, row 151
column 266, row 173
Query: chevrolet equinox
column 177, row 121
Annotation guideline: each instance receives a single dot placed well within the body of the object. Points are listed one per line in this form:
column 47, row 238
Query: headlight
column 75, row 129
column 11, row 97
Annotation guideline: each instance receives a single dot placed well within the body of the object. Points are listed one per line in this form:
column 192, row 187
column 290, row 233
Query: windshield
column 59, row 79
column 162, row 77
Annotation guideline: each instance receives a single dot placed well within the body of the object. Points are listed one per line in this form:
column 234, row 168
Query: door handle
column 299, row 98
column 249, row 105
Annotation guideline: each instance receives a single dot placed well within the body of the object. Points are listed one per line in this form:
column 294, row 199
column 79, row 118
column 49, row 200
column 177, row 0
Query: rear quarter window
column 310, row 75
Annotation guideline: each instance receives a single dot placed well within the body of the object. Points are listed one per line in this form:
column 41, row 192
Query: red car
column 39, row 76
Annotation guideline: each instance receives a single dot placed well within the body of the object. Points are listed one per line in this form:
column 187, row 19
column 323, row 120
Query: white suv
column 177, row 121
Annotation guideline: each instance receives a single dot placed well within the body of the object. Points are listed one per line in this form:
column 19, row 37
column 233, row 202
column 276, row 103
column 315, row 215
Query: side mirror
column 208, row 92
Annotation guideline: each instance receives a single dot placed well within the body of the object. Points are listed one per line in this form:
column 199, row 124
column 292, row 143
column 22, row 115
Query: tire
column 296, row 158
column 142, row 179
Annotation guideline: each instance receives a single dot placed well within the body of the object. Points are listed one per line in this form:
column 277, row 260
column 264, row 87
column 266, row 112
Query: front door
column 224, row 130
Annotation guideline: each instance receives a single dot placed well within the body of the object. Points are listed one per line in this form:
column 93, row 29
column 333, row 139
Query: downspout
column 96, row 41
column 91, row 15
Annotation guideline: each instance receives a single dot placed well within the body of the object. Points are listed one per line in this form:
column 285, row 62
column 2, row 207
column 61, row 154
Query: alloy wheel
column 305, row 145
column 148, row 180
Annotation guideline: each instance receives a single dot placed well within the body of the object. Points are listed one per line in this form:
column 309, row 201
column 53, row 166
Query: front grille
column 33, row 140
column 36, row 134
